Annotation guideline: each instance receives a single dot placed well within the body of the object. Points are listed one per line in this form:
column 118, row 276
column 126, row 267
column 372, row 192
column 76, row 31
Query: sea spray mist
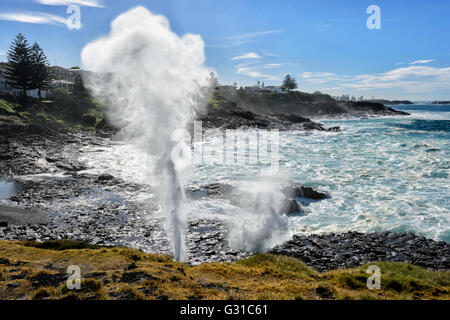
column 152, row 81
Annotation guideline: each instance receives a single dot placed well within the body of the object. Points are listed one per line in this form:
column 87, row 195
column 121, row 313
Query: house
column 5, row 88
column 62, row 84
column 276, row 89
column 62, row 79
column 60, row 73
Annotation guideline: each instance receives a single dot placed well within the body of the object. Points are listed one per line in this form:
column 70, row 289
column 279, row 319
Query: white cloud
column 412, row 78
column 86, row 3
column 273, row 65
column 309, row 75
column 240, row 39
column 2, row 53
column 422, row 61
column 250, row 55
column 416, row 81
column 319, row 77
column 37, row 18
column 256, row 74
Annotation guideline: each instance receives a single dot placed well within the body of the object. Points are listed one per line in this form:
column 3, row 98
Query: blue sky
column 325, row 44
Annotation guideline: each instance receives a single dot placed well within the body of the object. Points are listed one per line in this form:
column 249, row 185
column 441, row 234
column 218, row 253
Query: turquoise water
column 383, row 174
column 388, row 173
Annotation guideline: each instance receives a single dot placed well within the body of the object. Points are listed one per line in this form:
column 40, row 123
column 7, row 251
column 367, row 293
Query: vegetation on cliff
column 38, row 271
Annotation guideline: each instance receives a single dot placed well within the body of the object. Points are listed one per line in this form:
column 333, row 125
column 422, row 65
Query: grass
column 46, row 114
column 121, row 273
column 6, row 107
column 216, row 101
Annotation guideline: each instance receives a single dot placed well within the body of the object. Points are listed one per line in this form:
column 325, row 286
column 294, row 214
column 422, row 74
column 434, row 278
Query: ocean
column 386, row 173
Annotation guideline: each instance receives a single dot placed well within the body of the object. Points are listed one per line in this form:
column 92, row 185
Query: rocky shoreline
column 107, row 211
column 347, row 250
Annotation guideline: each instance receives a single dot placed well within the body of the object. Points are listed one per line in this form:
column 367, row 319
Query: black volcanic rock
column 346, row 250
column 304, row 104
column 229, row 115
column 303, row 192
column 366, row 107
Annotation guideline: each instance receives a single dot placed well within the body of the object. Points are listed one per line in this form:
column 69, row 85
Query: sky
column 326, row 45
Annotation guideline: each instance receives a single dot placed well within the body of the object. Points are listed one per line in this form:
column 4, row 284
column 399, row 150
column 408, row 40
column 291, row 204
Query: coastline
column 23, row 151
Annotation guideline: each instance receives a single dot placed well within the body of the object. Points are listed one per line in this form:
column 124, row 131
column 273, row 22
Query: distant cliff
column 441, row 102
column 304, row 104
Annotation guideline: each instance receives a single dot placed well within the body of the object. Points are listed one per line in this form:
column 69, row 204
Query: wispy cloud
column 86, row 3
column 36, row 18
column 319, row 77
column 253, row 73
column 422, row 61
column 2, row 53
column 256, row 34
column 239, row 39
column 250, row 55
column 268, row 54
column 410, row 78
column 416, row 79
column 273, row 65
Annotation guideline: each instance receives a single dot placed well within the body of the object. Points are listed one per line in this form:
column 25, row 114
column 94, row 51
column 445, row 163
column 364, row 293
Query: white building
column 252, row 89
column 60, row 73
column 228, row 89
column 5, row 88
column 276, row 89
column 62, row 84
column 62, row 79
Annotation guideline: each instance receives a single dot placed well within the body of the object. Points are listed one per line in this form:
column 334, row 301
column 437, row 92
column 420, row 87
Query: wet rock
column 230, row 116
column 309, row 193
column 334, row 129
column 352, row 249
column 290, row 207
column 303, row 192
column 105, row 177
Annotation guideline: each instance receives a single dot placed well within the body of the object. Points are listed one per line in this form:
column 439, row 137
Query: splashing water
column 151, row 79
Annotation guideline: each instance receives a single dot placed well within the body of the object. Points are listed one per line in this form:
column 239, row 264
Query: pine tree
column 19, row 68
column 41, row 77
column 289, row 83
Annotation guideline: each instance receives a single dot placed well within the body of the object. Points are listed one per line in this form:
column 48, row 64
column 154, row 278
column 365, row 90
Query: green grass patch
column 6, row 107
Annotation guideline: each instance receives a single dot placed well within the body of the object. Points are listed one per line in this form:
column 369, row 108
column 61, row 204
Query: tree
column 79, row 90
column 289, row 83
column 41, row 77
column 82, row 97
column 18, row 71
